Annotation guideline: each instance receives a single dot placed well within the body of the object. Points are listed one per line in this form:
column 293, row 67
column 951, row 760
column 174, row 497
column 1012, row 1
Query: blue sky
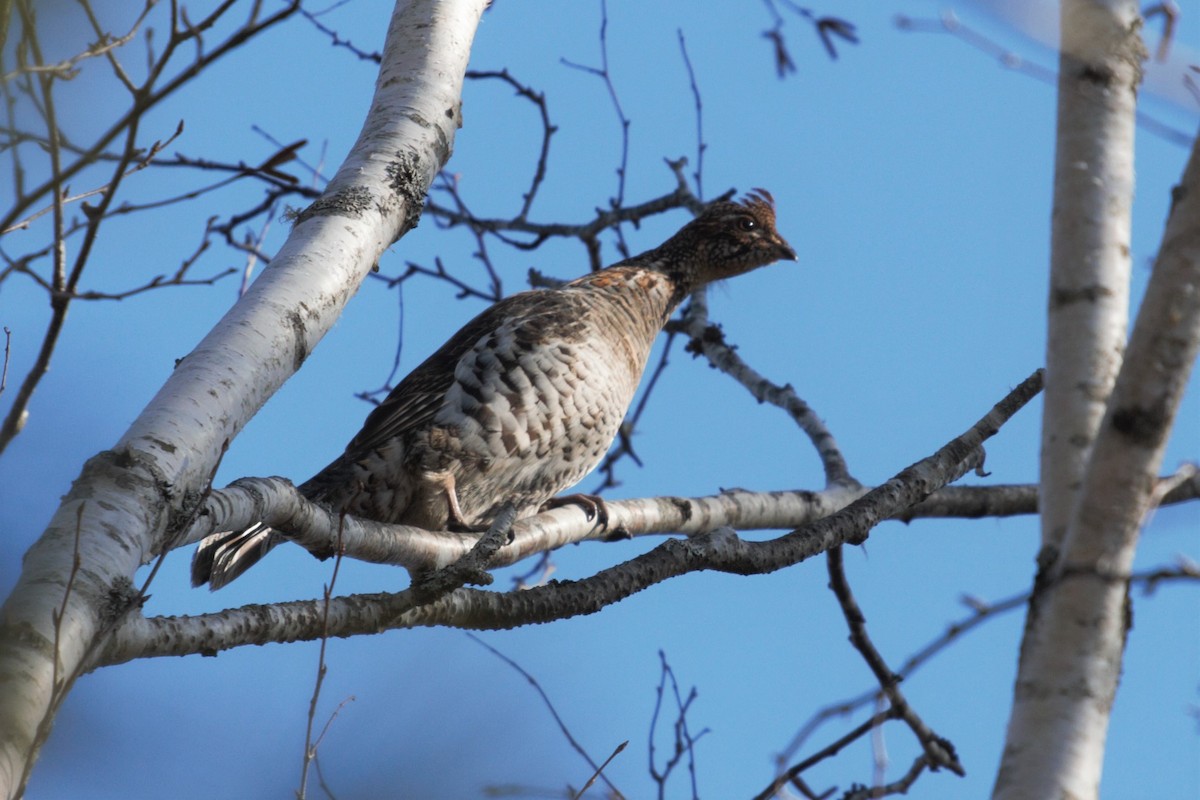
column 912, row 176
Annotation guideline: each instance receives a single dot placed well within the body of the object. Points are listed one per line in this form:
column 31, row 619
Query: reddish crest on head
column 761, row 202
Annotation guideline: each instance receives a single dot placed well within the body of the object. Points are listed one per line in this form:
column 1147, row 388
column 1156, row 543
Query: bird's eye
column 747, row 223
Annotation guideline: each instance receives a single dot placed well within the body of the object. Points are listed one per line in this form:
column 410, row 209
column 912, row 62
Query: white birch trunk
column 128, row 502
column 1088, row 304
column 1095, row 466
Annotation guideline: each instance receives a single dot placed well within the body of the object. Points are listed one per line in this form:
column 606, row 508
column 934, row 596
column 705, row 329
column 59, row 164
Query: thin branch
column 336, row 39
column 683, row 740
column 1170, row 13
column 146, row 97
column 548, row 129
column 64, row 288
column 598, row 770
column 449, row 185
column 439, row 272
column 709, row 340
column 105, row 45
column 537, row 574
column 373, row 395
column 828, row 751
column 7, row 356
column 939, row 750
column 828, row 30
column 900, row 786
column 310, row 747
column 979, row 613
column 602, row 72
column 701, row 146
column 599, row 773
column 539, row 233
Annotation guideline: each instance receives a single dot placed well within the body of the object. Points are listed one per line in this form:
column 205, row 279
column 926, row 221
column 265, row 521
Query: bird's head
column 727, row 239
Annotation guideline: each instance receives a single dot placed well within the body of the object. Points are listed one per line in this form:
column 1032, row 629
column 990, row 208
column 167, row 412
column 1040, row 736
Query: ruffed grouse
column 525, row 400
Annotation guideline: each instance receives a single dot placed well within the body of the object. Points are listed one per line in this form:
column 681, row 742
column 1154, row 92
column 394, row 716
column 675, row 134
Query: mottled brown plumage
column 525, row 399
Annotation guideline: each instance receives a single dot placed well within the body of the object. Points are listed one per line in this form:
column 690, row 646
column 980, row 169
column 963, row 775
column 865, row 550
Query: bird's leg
column 592, row 505
column 454, row 516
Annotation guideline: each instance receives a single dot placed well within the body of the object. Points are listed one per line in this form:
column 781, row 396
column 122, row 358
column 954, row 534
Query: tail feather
column 224, row 556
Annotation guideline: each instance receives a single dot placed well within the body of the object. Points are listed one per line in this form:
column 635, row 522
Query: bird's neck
column 653, row 287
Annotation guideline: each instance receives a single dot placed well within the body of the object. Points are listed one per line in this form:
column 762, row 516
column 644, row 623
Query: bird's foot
column 458, row 526
column 593, row 506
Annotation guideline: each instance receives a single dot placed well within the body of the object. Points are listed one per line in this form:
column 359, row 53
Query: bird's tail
column 223, row 556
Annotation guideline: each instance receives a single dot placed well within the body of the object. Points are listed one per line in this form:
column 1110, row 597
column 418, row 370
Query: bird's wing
column 416, row 399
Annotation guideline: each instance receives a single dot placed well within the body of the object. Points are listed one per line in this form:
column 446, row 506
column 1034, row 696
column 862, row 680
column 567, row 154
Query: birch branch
column 722, row 550
column 275, row 502
column 138, row 494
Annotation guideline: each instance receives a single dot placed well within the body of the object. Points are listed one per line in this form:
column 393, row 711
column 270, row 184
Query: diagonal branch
column 709, row 340
column 153, row 478
column 939, row 751
column 721, row 550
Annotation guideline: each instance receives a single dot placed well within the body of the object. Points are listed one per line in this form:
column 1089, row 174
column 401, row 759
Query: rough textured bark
column 1087, row 315
column 1074, row 641
column 277, row 503
column 140, row 637
column 128, row 503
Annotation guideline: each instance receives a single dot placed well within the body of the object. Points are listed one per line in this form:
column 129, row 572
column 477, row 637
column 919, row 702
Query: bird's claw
column 593, row 506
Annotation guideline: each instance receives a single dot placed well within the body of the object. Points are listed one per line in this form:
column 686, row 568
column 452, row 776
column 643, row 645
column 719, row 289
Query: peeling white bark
column 439, row 600
column 1088, row 304
column 122, row 508
column 1078, row 619
column 274, row 502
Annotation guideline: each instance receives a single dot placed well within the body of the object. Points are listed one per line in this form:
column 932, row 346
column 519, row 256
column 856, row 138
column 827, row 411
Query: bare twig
column 701, row 146
column 600, row 769
column 709, row 340
column 899, row 786
column 548, row 129
column 439, row 271
column 830, row 750
column 1170, row 13
column 539, row 233
column 336, row 39
column 562, row 726
column 7, row 356
column 105, row 45
column 63, row 283
column 827, row 28
column 538, row 572
column 373, row 395
column 310, row 746
column 683, row 741
column 979, row 613
column 939, row 750
column 602, row 72
column 147, row 96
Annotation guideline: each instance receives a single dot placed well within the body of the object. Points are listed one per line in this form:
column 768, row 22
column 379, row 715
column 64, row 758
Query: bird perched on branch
column 525, row 400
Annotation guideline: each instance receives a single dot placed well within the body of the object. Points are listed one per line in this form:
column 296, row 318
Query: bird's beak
column 784, row 250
